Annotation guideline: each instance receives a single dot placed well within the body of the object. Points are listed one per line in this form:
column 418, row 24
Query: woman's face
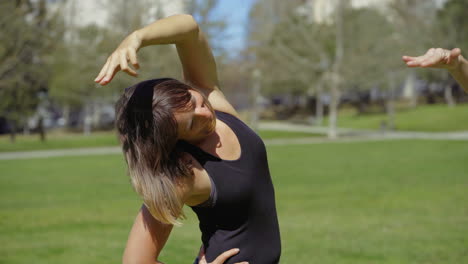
column 197, row 122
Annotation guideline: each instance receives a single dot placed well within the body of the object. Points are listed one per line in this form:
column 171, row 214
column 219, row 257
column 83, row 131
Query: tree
column 416, row 30
column 292, row 51
column 28, row 38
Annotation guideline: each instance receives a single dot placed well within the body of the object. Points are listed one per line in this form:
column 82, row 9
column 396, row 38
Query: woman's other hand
column 436, row 58
column 119, row 60
column 221, row 258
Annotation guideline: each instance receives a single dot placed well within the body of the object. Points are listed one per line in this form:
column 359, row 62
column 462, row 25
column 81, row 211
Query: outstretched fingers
column 419, row 60
column 111, row 70
column 102, row 72
column 116, row 62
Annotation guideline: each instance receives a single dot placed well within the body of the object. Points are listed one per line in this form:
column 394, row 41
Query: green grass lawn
column 58, row 140
column 435, row 118
column 374, row 202
column 99, row 139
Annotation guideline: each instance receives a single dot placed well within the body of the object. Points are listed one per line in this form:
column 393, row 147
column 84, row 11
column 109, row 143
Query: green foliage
column 395, row 202
column 417, row 28
column 28, row 36
column 76, row 63
column 453, row 24
column 303, row 52
column 84, row 50
column 370, row 45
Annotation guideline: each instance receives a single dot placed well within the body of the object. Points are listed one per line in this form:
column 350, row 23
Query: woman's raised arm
column 198, row 63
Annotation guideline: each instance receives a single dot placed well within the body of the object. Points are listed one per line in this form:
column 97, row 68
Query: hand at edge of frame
column 436, row 58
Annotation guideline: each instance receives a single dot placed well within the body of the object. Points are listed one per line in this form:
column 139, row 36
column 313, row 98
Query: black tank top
column 241, row 211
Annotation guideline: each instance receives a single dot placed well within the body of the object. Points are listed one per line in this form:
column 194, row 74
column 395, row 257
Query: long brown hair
column 147, row 131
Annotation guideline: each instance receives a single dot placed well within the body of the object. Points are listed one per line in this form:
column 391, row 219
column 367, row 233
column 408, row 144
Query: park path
column 346, row 135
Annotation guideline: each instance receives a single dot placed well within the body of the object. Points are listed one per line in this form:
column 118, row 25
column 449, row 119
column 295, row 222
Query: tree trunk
column 26, row 130
column 336, row 76
column 87, row 120
column 12, row 131
column 40, row 128
column 448, row 95
column 390, row 102
column 255, row 115
column 96, row 115
column 390, row 109
column 319, row 110
column 333, row 113
column 316, row 119
column 410, row 90
column 66, row 115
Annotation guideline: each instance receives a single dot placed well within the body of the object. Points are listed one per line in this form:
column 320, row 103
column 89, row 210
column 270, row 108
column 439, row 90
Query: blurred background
column 326, row 64
column 323, row 83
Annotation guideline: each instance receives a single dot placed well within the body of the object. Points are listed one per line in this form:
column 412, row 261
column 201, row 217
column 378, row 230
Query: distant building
column 87, row 12
column 322, row 10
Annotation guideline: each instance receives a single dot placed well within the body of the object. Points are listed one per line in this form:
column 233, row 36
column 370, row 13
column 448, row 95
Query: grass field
column 431, row 118
column 376, row 202
column 99, row 139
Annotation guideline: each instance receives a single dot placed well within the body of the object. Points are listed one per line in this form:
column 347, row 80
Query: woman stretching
column 184, row 144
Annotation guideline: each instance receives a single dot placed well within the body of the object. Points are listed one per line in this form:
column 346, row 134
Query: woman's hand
column 452, row 60
column 221, row 258
column 118, row 60
column 436, row 58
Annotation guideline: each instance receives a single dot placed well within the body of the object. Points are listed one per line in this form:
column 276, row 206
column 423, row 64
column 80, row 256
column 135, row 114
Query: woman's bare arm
column 146, row 240
column 198, row 63
column 451, row 60
column 148, row 237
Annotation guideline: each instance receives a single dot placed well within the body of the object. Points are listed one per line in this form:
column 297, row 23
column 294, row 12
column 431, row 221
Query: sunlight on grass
column 375, row 202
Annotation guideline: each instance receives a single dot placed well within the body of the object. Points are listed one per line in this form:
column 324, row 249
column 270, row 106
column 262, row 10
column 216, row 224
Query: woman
column 452, row 60
column 184, row 144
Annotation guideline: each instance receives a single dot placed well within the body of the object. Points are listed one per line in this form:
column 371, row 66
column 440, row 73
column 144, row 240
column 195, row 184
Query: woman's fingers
column 408, row 58
column 223, row 257
column 116, row 62
column 432, row 58
column 415, row 61
column 124, row 65
column 112, row 68
column 102, row 72
column 133, row 58
column 454, row 54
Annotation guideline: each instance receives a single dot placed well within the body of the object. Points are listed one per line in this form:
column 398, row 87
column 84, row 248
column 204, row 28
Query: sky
column 236, row 13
